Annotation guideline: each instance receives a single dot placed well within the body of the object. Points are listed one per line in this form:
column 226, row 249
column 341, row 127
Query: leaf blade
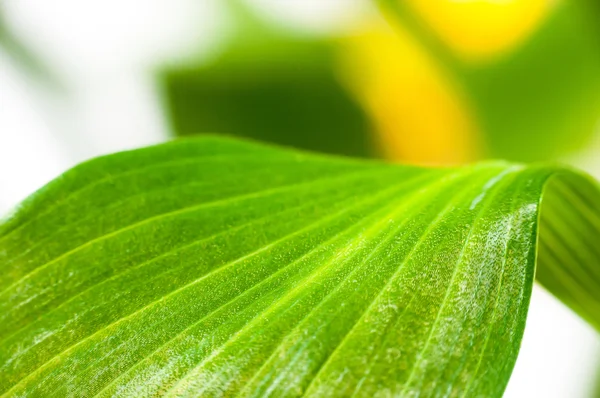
column 285, row 273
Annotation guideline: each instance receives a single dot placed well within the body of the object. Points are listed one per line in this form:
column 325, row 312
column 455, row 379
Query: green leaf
column 282, row 88
column 214, row 266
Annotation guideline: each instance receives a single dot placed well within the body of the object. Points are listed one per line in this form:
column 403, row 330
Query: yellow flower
column 419, row 113
column 480, row 29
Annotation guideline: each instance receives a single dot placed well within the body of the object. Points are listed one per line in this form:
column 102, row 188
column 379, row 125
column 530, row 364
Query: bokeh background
column 431, row 82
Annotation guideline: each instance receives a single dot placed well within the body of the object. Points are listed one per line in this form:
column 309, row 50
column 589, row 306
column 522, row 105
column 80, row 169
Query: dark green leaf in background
column 213, row 266
column 271, row 85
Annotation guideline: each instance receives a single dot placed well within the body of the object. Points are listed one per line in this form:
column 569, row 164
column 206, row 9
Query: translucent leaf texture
column 217, row 267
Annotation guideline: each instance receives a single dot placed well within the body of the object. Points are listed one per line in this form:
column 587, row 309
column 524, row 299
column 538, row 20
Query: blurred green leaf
column 543, row 100
column 214, row 267
column 27, row 60
column 270, row 85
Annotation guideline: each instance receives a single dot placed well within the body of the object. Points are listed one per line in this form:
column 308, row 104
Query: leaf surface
column 219, row 267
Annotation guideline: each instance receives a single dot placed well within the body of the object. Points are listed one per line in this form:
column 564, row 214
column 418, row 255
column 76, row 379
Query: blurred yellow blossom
column 420, row 114
column 478, row 29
